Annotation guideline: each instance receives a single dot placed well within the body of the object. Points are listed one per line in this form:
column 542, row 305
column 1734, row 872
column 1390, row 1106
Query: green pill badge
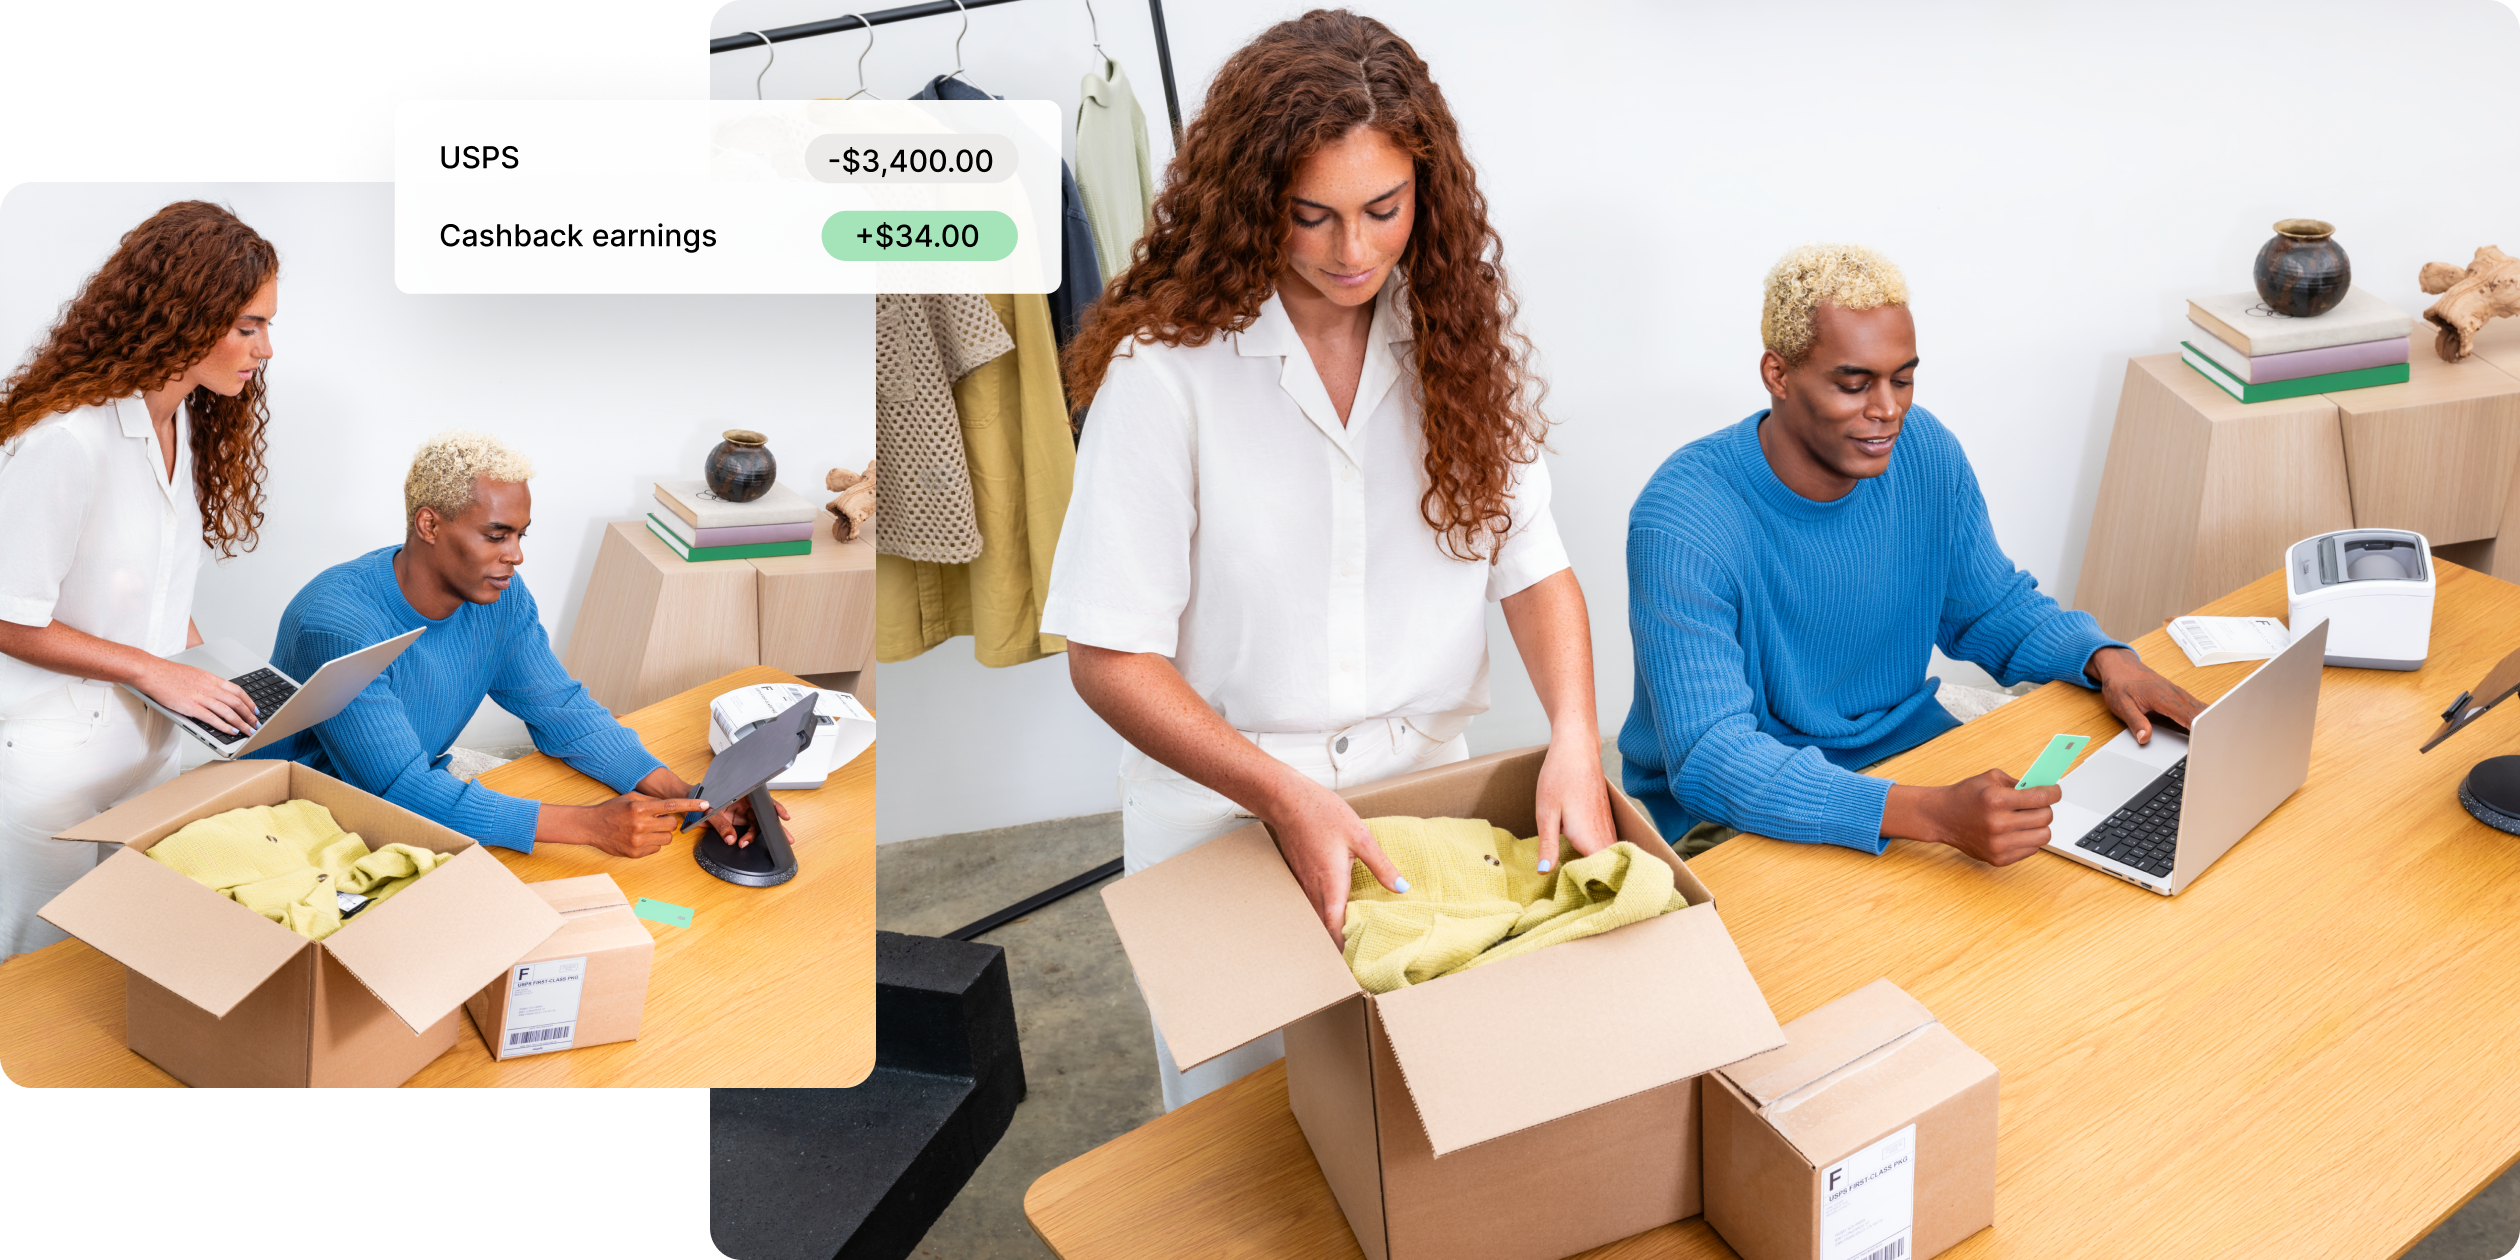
column 918, row 236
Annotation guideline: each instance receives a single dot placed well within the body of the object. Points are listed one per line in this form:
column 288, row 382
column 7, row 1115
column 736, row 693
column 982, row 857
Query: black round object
column 756, row 865
column 2301, row 271
column 2491, row 792
column 741, row 469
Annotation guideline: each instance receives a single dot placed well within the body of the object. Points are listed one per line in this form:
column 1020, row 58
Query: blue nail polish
column 1545, row 864
column 1403, row 885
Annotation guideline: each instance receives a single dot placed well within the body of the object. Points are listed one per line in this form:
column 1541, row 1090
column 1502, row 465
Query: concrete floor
column 1089, row 1059
column 1089, row 1054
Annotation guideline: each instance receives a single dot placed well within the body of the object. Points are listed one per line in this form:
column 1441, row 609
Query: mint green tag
column 667, row 913
column 2051, row 764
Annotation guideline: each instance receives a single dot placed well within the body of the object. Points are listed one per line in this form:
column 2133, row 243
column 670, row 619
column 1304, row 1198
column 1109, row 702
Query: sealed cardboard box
column 585, row 986
column 1447, row 1116
column 1870, row 1135
column 219, row 995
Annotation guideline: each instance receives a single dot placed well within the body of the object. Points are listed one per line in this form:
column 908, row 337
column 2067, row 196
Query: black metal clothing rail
column 941, row 8
column 999, row 918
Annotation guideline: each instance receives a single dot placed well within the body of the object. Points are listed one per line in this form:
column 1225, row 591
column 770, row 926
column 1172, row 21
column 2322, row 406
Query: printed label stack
column 699, row 525
column 2257, row 355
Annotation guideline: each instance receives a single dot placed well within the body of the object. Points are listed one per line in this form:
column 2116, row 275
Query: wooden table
column 767, row 987
column 2308, row 1053
column 2200, row 489
column 653, row 623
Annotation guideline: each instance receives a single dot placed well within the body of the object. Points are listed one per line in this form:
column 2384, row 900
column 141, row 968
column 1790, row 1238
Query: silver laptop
column 2156, row 815
column 284, row 705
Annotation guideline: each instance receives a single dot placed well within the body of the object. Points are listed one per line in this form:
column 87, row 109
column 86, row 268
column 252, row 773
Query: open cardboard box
column 219, row 995
column 1871, row 1132
column 1524, row 1110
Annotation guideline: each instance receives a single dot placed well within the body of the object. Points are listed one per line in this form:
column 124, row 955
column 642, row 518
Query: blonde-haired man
column 1790, row 575
column 466, row 507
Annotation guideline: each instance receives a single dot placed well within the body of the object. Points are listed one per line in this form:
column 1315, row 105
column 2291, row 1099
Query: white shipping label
column 542, row 1006
column 1868, row 1201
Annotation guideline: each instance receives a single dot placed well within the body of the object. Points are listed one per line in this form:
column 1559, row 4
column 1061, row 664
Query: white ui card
column 1868, row 1202
column 542, row 1009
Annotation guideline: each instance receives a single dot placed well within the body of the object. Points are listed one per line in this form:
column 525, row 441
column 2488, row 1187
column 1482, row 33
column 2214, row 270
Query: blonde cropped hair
column 442, row 471
column 1853, row 277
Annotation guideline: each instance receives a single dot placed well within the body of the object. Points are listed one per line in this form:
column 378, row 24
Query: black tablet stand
column 745, row 770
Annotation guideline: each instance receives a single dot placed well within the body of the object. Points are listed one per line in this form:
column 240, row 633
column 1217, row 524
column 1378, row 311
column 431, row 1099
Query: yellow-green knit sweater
column 1474, row 897
column 286, row 862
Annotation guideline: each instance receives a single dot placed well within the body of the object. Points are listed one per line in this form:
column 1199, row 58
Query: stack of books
column 701, row 526
column 2258, row 355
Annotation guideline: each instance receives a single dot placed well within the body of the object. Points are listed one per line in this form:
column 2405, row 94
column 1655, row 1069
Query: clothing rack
column 1172, row 106
column 940, row 8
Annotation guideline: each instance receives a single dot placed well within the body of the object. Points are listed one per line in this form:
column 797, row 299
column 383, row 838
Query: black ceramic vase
column 2303, row 271
column 740, row 468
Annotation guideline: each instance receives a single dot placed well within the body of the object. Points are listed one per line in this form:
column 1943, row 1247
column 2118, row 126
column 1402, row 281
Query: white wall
column 2054, row 179
column 606, row 394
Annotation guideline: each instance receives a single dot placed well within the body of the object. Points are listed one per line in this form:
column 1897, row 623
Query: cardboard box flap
column 198, row 793
column 1846, row 1111
column 1497, row 1049
column 1829, row 1039
column 581, row 894
column 1225, row 946
column 154, row 919
column 435, row 943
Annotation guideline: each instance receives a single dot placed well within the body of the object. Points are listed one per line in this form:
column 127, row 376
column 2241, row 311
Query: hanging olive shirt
column 1022, row 456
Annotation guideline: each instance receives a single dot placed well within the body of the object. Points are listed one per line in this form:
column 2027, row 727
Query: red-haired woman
column 133, row 437
column 1312, row 457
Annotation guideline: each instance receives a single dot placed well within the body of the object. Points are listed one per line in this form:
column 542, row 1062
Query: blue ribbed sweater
column 1782, row 643
column 392, row 739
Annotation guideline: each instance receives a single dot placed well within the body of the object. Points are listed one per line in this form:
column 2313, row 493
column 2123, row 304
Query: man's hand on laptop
column 2136, row 694
column 1985, row 817
column 631, row 825
column 198, row 694
column 733, row 823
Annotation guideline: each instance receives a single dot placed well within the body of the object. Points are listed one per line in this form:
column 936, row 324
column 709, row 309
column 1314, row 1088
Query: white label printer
column 2374, row 588
column 843, row 728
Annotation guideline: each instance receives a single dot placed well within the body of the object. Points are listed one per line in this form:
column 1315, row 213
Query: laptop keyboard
column 2144, row 832
column 268, row 689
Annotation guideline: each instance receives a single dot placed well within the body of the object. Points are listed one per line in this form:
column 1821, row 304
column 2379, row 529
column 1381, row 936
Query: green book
column 2269, row 391
column 749, row 551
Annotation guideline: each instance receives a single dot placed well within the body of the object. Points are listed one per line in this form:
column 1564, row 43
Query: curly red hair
column 1216, row 244
column 173, row 287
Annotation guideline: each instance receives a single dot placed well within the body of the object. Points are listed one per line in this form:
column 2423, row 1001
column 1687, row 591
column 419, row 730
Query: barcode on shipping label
column 1868, row 1201
column 542, row 1008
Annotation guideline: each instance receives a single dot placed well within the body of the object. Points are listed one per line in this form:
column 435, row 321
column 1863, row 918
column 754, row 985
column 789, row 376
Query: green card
column 664, row 912
column 2051, row 764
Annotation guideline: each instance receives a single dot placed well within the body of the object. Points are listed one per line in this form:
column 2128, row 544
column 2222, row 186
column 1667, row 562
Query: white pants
column 1163, row 815
column 67, row 755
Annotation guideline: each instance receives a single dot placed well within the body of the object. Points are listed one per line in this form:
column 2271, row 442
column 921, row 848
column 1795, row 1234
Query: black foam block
column 860, row 1174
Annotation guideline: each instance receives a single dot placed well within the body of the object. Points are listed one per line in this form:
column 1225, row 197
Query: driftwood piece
column 855, row 506
column 2488, row 288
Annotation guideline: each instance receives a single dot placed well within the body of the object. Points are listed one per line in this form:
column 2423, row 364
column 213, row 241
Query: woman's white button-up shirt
column 1223, row 517
column 99, row 538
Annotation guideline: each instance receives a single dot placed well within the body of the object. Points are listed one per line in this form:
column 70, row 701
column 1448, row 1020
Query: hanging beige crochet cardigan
column 924, row 342
column 1474, row 898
